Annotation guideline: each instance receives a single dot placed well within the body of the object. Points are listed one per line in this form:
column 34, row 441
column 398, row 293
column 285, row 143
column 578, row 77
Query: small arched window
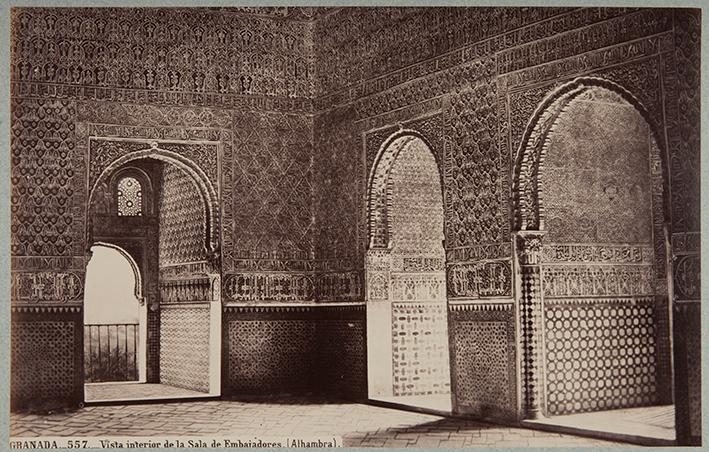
column 129, row 196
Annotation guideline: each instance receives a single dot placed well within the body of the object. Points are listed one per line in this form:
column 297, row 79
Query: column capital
column 529, row 246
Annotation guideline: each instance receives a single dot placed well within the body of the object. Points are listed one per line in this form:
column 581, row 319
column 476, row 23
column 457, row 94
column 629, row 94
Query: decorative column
column 529, row 247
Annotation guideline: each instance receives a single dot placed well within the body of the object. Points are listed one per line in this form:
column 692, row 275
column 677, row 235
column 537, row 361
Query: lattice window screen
column 130, row 197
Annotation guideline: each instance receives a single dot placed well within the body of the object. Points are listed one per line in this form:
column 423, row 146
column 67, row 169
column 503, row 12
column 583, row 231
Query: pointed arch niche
column 407, row 328
column 591, row 238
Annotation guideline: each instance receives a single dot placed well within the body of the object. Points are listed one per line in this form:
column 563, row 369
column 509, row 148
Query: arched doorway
column 162, row 212
column 589, row 195
column 114, row 317
column 407, row 327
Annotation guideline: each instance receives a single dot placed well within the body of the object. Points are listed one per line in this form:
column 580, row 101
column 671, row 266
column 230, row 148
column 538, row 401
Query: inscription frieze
column 480, row 279
column 597, row 280
column 622, row 254
column 37, row 287
column 486, row 251
column 589, row 61
column 268, row 287
column 340, row 286
column 642, row 23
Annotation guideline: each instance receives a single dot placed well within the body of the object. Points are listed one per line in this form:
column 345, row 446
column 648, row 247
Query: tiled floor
column 359, row 425
column 95, row 392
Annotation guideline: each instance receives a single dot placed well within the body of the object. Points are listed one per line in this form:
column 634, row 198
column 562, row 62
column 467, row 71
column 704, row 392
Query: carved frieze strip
column 686, row 243
column 144, row 96
column 53, row 263
column 429, row 68
column 545, row 28
column 417, row 264
column 139, row 25
column 597, row 254
column 480, row 279
column 599, row 302
column 597, row 280
column 604, row 34
column 50, row 286
column 185, row 305
column 334, row 265
column 487, row 251
column 404, row 304
column 486, row 306
column 417, row 275
column 338, row 286
column 123, row 113
column 155, row 132
column 186, row 290
column 428, row 287
column 588, row 62
column 352, row 307
column 290, row 13
column 186, row 270
column 425, row 88
column 277, row 265
column 268, row 286
column 46, row 309
column 283, row 255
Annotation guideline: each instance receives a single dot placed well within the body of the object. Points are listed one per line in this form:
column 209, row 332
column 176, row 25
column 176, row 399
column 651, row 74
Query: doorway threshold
column 136, row 392
column 647, row 426
column 439, row 404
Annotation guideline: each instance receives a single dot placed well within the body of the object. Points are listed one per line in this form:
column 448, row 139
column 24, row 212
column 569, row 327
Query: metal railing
column 110, row 352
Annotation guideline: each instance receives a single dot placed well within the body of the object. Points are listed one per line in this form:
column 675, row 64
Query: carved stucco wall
column 483, row 85
column 461, row 70
column 269, row 246
column 682, row 79
column 471, row 80
column 264, row 169
column 187, row 79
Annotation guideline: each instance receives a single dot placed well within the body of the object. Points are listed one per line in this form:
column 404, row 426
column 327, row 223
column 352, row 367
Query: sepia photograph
column 353, row 226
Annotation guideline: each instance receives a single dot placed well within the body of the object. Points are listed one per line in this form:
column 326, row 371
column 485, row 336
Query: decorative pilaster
column 529, row 247
column 378, row 274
